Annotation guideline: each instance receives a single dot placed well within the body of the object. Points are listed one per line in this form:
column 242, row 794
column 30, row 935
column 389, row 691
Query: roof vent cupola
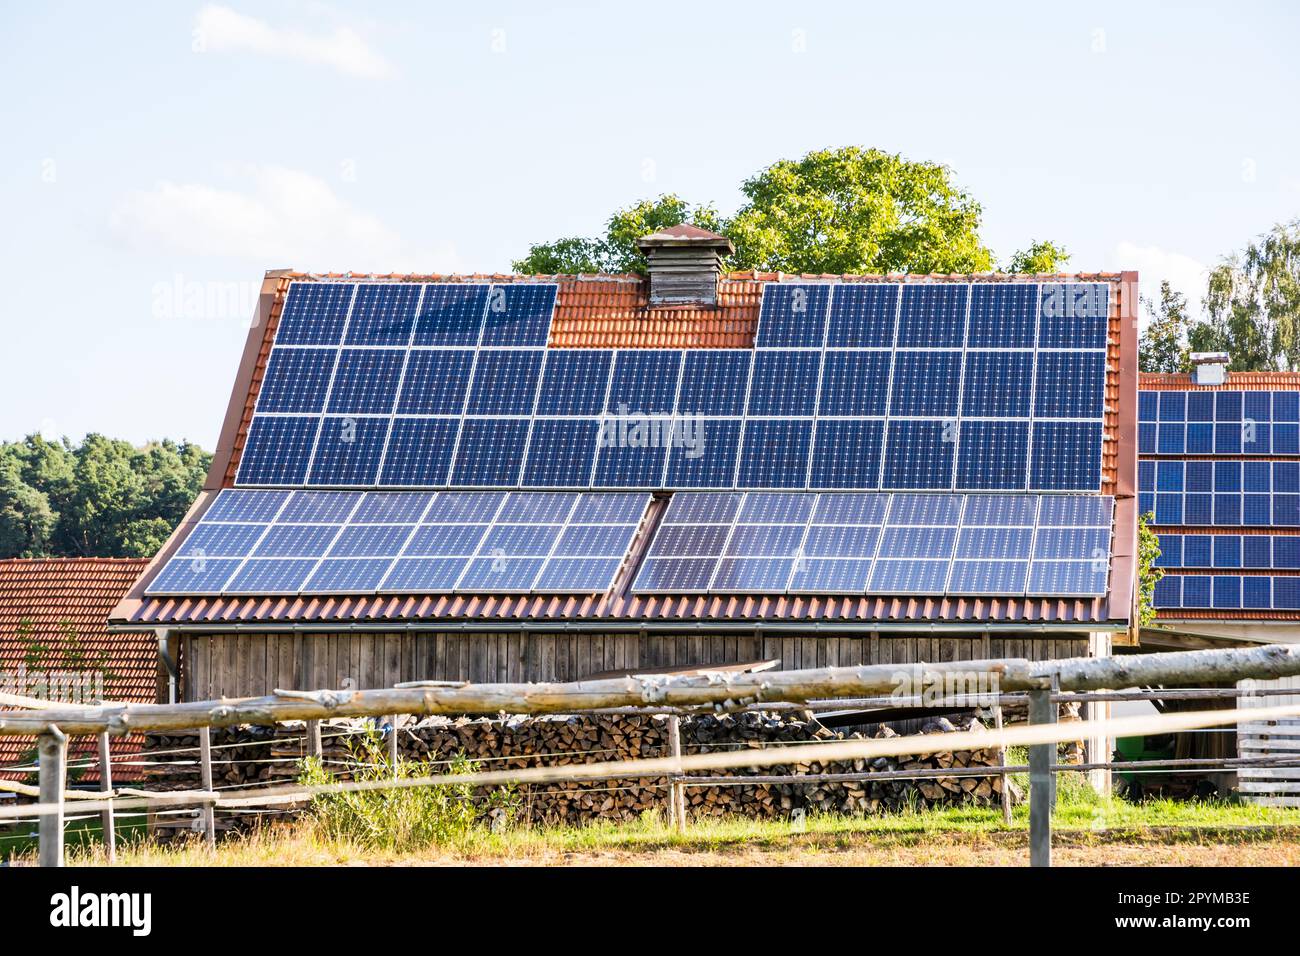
column 685, row 264
column 1209, row 368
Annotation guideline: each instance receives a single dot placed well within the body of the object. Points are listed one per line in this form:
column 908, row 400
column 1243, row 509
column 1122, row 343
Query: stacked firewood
column 252, row 756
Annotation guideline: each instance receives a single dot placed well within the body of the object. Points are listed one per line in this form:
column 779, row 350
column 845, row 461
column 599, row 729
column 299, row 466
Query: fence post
column 106, row 787
column 1002, row 761
column 1042, row 784
column 392, row 745
column 676, row 792
column 53, row 749
column 205, row 769
column 314, row 748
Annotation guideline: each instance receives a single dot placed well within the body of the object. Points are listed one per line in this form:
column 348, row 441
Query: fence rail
column 1043, row 684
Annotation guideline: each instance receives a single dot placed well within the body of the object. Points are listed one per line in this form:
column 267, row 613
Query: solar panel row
column 1251, row 592
column 1263, row 551
column 340, row 542
column 886, row 410
column 792, row 542
column 1219, row 423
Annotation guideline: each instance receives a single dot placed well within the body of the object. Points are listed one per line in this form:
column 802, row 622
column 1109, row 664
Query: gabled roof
column 613, row 311
column 65, row 602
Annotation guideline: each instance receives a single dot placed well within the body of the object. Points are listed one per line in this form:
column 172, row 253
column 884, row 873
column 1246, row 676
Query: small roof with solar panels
column 1219, row 470
column 840, row 448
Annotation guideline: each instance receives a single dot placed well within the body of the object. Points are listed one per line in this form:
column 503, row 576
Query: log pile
column 249, row 756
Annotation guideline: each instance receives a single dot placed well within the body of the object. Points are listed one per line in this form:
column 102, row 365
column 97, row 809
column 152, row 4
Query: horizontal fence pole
column 843, row 750
column 724, row 690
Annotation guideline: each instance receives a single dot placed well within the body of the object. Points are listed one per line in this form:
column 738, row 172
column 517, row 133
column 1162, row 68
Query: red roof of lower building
column 54, row 628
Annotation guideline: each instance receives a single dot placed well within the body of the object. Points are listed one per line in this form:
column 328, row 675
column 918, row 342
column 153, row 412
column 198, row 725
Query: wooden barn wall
column 244, row 665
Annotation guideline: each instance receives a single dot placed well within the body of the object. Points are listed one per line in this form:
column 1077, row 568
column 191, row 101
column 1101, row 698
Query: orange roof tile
column 1235, row 381
column 42, row 602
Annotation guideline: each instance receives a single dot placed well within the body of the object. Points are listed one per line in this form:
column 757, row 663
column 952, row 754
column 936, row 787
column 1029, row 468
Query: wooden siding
column 246, row 665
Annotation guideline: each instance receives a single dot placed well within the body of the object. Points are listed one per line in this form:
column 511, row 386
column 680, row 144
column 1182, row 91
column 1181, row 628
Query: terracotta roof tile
column 44, row 600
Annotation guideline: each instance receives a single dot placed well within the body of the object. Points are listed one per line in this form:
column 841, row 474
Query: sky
column 157, row 159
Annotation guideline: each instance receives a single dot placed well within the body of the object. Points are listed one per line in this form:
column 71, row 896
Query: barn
column 524, row 478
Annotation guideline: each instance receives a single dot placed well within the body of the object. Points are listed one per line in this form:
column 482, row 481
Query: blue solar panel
column 1072, row 543
column 435, row 382
column 999, row 543
column 854, row 383
column 621, row 462
column 703, row 508
column 793, row 316
column 784, row 383
column 846, row 454
column 1009, row 511
column 1070, row 385
column 841, row 509
column 424, row 574
column 1003, row 315
column 607, row 508
column 574, row 575
column 500, row 573
column 1257, row 551
column 708, row 459
column 919, row 454
column 757, row 540
column 690, row 540
column 297, row 541
column 419, row 451
column 526, row 540
column 924, row 510
column 933, row 316
column 451, row 314
column 863, row 315
column 277, row 450
column 988, row 577
column 595, row 540
column 1066, row 456
column 347, row 576
column 574, row 382
column 296, row 380
column 519, row 314
column 271, row 576
column 714, row 382
column 830, row 576
column 752, row 574
column 505, row 382
column 234, row 505
column 221, row 540
column 997, row 384
column 917, row 542
column 1068, row 578
column 993, row 455
column 348, row 450
column 328, row 507
column 841, row 541
column 644, row 382
column 1074, row 511
column 365, row 382
column 675, row 575
column 561, row 452
column 776, row 508
column 395, row 507
column 1074, row 315
column 193, row 576
column 490, row 451
column 437, row 540
column 894, row 576
column 926, row 383
column 774, row 453
column 383, row 314
column 370, row 541
column 314, row 313
column 1168, row 592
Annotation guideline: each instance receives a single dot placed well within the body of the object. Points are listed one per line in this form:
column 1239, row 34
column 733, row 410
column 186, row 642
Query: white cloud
column 279, row 217
column 1154, row 265
column 222, row 29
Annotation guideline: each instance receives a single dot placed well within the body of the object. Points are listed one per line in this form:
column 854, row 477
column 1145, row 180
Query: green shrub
column 400, row 818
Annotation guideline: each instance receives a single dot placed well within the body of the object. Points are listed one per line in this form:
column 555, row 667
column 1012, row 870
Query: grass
column 1088, row 829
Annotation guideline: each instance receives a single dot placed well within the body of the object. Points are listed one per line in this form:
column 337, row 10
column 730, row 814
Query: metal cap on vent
column 685, row 264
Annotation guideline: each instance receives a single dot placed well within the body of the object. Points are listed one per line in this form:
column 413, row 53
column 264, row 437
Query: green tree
column 616, row 250
column 102, row 498
column 1039, row 257
column 27, row 521
column 847, row 210
column 1148, row 573
column 1253, row 303
column 1163, row 347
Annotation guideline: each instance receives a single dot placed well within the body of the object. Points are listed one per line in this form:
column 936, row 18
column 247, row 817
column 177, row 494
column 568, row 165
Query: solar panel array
column 346, row 542
column 1229, row 592
column 782, row 456
column 864, row 386
column 1218, row 423
column 1201, row 466
column 847, row 543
